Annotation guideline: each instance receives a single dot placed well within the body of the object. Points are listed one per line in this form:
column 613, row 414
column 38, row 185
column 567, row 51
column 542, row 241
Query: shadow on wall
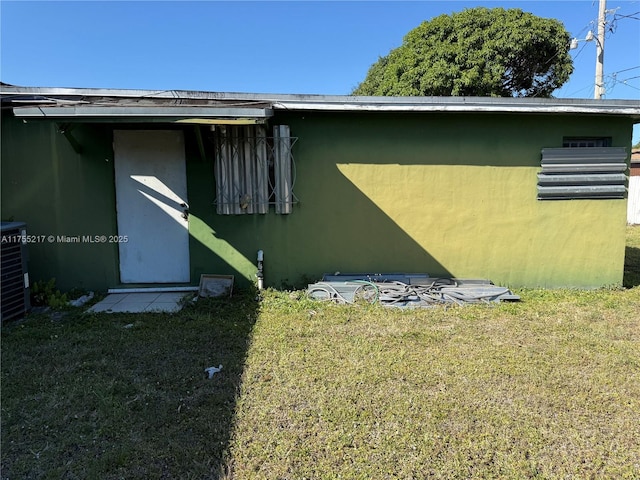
column 631, row 267
column 211, row 254
column 337, row 227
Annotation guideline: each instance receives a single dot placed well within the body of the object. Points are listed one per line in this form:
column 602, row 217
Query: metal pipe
column 260, row 273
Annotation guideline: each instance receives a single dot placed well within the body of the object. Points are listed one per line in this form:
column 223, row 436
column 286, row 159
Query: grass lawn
column 545, row 388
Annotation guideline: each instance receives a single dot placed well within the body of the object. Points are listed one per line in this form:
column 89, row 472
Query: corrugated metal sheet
column 582, row 179
column 241, row 170
column 408, row 278
column 283, row 188
column 378, row 288
column 246, row 161
column 582, row 173
column 568, row 192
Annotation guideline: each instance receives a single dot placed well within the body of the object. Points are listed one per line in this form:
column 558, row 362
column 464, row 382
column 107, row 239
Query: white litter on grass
column 213, row 370
column 82, row 300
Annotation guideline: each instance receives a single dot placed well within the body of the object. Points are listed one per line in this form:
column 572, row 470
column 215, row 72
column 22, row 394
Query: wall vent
column 14, row 275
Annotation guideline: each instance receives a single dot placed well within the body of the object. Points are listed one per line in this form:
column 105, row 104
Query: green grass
column 122, row 396
column 545, row 388
column 549, row 388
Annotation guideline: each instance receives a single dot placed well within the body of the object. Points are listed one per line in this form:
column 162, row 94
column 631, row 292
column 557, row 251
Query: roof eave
column 168, row 99
column 196, row 115
column 450, row 107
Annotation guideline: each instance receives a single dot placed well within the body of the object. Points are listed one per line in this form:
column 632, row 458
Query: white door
column 151, row 202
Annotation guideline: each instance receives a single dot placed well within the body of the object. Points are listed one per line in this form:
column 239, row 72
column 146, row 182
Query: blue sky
column 267, row 46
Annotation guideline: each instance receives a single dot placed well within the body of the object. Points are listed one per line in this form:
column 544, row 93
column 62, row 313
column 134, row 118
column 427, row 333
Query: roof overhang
column 468, row 107
column 191, row 115
column 218, row 107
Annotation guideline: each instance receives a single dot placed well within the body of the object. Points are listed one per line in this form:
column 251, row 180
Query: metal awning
column 178, row 114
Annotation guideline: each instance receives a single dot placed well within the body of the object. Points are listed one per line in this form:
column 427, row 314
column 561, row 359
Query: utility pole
column 599, row 89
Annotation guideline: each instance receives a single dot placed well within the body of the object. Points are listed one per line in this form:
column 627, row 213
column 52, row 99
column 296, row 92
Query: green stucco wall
column 61, row 193
column 445, row 194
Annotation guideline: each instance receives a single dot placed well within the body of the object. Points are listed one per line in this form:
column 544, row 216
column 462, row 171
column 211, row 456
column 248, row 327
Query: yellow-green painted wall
column 484, row 222
column 444, row 194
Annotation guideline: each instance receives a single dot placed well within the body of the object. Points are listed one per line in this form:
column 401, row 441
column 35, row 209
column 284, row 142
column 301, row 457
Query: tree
column 477, row 52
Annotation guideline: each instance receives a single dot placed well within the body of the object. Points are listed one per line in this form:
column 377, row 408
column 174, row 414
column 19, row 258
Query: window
column 254, row 171
column 586, row 142
column 586, row 168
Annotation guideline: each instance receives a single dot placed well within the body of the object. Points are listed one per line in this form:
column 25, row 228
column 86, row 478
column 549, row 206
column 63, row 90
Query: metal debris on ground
column 407, row 290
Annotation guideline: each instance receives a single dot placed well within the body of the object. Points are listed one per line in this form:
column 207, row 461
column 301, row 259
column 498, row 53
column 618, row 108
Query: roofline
column 468, row 104
column 347, row 103
column 90, row 111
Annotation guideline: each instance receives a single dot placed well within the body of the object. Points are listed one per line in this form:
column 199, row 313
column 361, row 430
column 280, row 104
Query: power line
column 589, row 87
column 616, row 16
column 579, row 51
column 612, row 81
column 587, row 26
column 630, row 86
column 626, row 70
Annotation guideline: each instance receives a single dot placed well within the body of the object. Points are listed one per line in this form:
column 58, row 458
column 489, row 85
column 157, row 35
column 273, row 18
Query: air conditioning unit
column 14, row 291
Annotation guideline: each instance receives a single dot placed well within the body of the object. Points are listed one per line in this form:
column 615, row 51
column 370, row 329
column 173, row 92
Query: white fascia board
column 469, row 108
column 127, row 112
